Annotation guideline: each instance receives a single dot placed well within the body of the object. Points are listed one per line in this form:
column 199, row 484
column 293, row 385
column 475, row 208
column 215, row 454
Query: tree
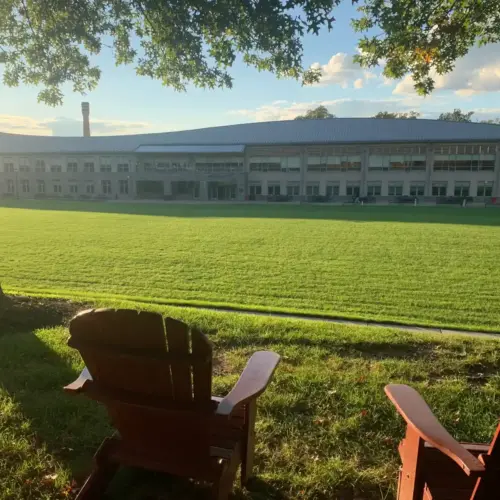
column 410, row 115
column 317, row 113
column 49, row 43
column 423, row 38
column 456, row 116
column 491, row 121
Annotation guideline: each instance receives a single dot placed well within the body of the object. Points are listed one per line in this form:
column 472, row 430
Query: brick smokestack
column 86, row 121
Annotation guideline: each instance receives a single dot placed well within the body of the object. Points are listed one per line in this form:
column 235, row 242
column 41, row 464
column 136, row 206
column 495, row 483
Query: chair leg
column 224, row 484
column 249, row 442
column 104, row 470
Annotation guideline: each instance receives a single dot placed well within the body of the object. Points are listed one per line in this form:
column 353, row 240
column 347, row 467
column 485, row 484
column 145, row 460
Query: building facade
column 337, row 159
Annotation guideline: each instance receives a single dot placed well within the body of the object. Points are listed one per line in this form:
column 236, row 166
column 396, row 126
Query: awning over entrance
column 223, row 148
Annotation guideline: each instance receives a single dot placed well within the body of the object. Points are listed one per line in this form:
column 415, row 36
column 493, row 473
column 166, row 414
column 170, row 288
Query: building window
column 89, row 188
column 255, row 189
column 332, row 163
column 39, row 165
column 106, row 187
column 40, row 187
column 10, row 186
column 465, row 157
column 57, row 188
column 462, row 188
column 105, row 164
column 374, row 189
column 275, row 164
column 417, row 189
column 406, row 161
column 332, row 190
column 8, row 167
column 273, row 189
column 73, row 188
column 24, row 165
column 123, row 186
column 352, row 190
column 25, row 186
column 293, row 189
column 72, row 166
column 56, row 168
column 395, row 189
column 148, row 166
column 484, row 189
column 123, row 167
column 88, row 166
column 439, row 188
column 312, row 189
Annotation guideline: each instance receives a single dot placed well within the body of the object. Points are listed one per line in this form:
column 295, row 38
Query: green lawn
column 325, row 429
column 437, row 266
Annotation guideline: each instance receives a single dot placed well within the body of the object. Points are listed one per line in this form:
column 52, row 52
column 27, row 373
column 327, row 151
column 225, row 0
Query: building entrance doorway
column 221, row 191
column 149, row 189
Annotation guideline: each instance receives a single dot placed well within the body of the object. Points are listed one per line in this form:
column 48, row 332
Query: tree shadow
column 489, row 216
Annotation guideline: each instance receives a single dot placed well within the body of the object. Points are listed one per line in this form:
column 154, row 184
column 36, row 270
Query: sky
column 125, row 103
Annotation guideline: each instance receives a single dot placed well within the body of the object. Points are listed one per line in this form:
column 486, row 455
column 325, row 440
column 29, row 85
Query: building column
column 365, row 159
column 203, row 190
column 496, row 186
column 429, row 165
column 303, row 170
column 246, row 171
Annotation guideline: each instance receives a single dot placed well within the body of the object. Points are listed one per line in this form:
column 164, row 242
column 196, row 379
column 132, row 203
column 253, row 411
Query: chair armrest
column 79, row 383
column 252, row 382
column 420, row 418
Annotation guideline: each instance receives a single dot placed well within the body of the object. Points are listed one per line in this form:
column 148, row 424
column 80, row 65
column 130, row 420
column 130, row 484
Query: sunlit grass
column 435, row 266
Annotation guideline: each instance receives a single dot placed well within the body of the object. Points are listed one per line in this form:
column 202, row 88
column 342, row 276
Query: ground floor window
column 221, row 191
column 123, row 186
column 332, row 190
column 439, row 189
column 312, row 189
column 462, row 189
column 374, row 189
column 106, row 187
column 40, row 187
column 255, row 189
column 89, row 189
column 273, row 189
column 396, row 189
column 293, row 189
column 25, row 186
column 10, row 186
column 484, row 189
column 417, row 189
column 352, row 190
column 73, row 188
column 57, row 188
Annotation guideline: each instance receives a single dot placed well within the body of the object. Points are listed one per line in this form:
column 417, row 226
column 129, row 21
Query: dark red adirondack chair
column 435, row 465
column 154, row 376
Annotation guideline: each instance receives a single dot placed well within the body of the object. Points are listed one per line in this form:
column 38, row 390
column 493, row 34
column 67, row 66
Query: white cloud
column 339, row 107
column 70, row 127
column 342, row 70
column 477, row 72
column 358, row 84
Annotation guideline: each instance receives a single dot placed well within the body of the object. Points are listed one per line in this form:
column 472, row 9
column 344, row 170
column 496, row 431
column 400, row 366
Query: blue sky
column 126, row 103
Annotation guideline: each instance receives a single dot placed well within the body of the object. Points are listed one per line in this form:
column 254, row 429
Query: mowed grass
column 324, row 430
column 429, row 266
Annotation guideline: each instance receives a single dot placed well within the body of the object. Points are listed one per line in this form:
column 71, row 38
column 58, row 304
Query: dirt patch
column 20, row 314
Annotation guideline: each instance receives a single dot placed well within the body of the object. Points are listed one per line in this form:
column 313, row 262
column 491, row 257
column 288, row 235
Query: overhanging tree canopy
column 51, row 42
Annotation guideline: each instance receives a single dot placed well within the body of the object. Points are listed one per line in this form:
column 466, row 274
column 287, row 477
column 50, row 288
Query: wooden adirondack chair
column 154, row 377
column 435, row 466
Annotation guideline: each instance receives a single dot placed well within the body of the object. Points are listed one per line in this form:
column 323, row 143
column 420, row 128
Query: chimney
column 86, row 122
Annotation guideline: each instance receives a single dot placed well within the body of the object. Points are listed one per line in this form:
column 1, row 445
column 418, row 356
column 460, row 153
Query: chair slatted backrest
column 153, row 375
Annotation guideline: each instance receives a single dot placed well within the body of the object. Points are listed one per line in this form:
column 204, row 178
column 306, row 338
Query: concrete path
column 340, row 321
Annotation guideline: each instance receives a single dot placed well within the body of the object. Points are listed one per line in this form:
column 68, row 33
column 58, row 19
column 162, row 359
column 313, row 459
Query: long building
column 337, row 158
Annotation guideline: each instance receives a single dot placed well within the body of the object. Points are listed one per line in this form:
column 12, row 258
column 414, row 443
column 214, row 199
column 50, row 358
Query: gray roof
column 332, row 131
column 224, row 148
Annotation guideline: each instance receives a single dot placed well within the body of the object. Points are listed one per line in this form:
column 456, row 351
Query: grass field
column 435, row 266
column 325, row 429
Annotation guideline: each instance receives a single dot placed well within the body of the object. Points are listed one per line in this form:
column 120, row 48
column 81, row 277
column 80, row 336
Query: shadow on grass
column 34, row 367
column 439, row 215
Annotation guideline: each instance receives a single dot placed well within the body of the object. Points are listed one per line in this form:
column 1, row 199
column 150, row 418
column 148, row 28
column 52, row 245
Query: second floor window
column 72, row 166
column 56, row 168
column 8, row 167
column 40, row 166
column 88, row 166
